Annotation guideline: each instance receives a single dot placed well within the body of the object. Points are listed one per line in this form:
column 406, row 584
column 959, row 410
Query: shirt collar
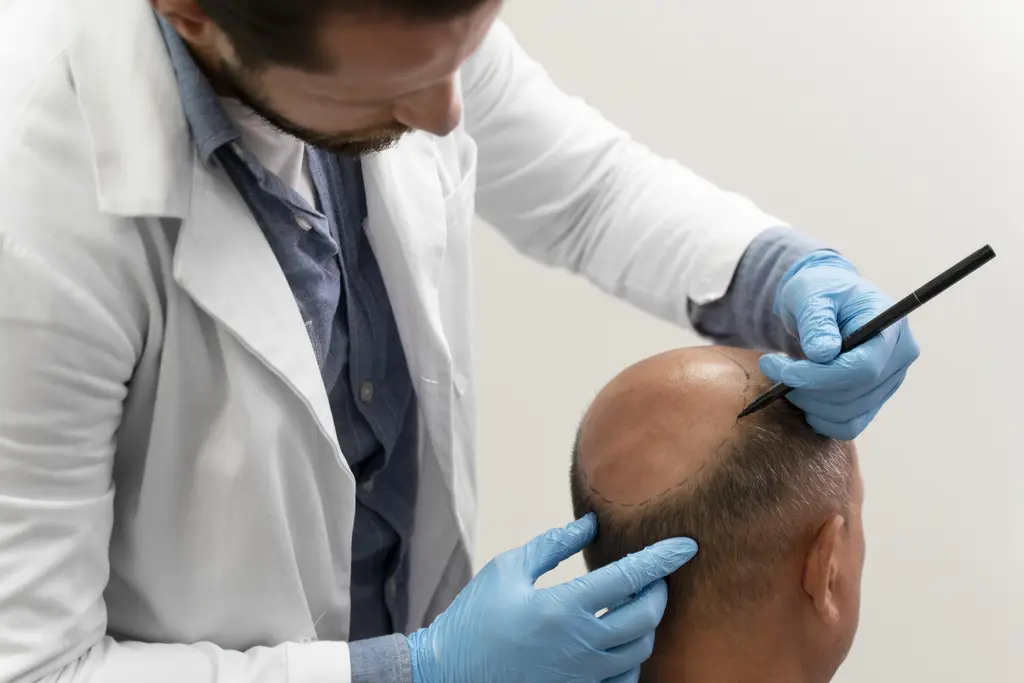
column 210, row 125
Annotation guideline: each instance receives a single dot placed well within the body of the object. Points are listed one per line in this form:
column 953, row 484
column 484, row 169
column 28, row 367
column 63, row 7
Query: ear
column 821, row 569
column 188, row 20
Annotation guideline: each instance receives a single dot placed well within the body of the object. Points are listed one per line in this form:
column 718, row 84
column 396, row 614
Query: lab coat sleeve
column 69, row 338
column 745, row 316
column 570, row 189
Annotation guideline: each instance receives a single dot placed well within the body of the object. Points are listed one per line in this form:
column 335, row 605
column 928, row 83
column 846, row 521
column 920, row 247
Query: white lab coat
column 174, row 506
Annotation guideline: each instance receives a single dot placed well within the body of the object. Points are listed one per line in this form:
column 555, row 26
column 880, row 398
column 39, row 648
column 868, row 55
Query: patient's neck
column 753, row 649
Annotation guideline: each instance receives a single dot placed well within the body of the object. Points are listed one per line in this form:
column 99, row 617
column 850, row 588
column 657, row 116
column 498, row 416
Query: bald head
column 661, row 454
column 663, row 420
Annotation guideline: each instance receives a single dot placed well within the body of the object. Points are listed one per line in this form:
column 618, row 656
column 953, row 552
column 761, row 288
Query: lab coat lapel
column 224, row 262
column 407, row 228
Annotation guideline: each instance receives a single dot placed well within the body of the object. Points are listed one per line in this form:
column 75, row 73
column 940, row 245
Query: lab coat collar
column 129, row 97
column 226, row 265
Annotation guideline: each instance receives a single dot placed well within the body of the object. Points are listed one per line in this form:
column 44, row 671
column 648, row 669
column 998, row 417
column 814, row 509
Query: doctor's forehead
column 664, row 419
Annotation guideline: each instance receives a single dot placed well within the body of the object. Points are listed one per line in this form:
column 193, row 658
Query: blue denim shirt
column 339, row 291
column 326, row 258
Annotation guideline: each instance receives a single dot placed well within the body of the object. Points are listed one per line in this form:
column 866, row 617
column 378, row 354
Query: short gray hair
column 773, row 477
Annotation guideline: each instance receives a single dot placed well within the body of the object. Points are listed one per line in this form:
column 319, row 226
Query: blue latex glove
column 501, row 629
column 821, row 299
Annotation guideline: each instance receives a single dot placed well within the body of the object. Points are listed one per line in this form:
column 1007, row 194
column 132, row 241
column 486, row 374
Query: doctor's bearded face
column 349, row 76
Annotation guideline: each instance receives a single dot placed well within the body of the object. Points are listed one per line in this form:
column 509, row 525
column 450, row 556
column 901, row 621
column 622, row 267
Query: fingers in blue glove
column 809, row 297
column 845, row 406
column 502, row 629
column 850, row 429
column 633, row 619
column 858, row 368
column 816, row 321
column 615, row 582
column 554, row 546
column 631, row 655
column 844, row 414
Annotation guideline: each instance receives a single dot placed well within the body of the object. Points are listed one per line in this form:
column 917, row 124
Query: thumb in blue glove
column 501, row 629
column 822, row 299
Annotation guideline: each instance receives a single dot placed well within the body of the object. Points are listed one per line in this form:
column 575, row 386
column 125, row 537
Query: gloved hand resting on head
column 501, row 629
column 821, row 299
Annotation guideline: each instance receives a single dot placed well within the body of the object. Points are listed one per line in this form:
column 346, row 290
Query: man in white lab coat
column 236, row 398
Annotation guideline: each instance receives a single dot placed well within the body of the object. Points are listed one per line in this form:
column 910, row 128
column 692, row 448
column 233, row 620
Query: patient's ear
column 822, row 570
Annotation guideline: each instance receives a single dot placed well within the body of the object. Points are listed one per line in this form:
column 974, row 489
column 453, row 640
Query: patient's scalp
column 663, row 420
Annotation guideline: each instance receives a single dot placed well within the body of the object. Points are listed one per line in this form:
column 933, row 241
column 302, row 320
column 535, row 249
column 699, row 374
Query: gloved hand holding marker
column 793, row 374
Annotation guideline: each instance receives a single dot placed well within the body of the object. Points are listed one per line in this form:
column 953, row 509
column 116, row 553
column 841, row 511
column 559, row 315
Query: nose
column 436, row 109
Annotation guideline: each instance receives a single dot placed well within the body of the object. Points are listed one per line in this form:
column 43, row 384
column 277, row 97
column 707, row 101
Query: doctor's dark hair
column 747, row 511
column 284, row 32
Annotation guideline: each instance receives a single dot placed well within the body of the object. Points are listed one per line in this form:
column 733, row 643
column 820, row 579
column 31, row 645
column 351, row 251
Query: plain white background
column 892, row 129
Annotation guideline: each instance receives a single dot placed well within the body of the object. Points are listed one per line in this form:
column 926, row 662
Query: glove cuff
column 419, row 658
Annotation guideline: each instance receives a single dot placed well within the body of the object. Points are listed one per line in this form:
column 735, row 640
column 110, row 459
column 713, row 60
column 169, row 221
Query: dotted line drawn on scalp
column 747, row 392
column 656, row 497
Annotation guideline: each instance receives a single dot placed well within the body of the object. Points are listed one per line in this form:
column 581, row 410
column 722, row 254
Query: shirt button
column 367, row 486
column 237, row 149
column 303, row 223
column 461, row 384
column 392, row 588
column 366, row 392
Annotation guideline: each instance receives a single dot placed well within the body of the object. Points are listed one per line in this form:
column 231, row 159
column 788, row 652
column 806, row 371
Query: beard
column 237, row 82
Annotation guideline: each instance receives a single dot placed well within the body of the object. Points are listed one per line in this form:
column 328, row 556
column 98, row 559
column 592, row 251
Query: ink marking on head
column 749, row 393
column 656, row 497
column 746, row 372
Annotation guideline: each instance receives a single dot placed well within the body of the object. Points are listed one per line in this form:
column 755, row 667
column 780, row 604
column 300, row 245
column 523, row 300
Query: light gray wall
column 894, row 129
